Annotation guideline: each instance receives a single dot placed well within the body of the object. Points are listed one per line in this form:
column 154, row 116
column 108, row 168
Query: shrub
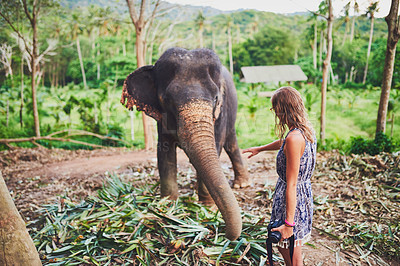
column 381, row 143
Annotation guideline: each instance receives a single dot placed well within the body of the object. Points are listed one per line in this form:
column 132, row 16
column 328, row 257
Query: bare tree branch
column 132, row 11
column 15, row 30
column 164, row 11
column 52, row 44
column 24, row 4
column 318, row 14
column 26, row 55
column 151, row 19
column 142, row 11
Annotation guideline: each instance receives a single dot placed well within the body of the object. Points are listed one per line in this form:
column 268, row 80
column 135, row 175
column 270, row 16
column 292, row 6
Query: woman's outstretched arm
column 269, row 147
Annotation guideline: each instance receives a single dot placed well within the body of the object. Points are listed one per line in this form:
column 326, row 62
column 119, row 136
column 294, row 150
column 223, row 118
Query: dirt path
column 39, row 176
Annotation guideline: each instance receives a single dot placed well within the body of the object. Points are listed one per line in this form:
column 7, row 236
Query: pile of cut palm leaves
column 133, row 226
column 358, row 202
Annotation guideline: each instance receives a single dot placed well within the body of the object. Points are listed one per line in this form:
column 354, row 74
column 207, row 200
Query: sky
column 283, row 6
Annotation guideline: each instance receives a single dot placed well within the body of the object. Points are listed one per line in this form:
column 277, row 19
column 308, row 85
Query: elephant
column 192, row 97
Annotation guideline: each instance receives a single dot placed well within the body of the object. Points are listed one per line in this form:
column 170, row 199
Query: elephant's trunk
column 196, row 135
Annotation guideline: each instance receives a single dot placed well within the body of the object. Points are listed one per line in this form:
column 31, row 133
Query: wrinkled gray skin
column 193, row 99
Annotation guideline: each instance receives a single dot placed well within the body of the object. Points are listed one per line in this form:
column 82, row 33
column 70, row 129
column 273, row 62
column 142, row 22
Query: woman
column 295, row 163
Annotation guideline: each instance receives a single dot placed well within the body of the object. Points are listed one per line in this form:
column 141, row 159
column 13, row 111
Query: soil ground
column 38, row 176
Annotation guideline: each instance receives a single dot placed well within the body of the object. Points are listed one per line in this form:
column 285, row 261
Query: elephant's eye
column 216, row 100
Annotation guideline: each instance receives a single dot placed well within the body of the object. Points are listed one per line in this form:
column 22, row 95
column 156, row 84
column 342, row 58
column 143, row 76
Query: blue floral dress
column 304, row 208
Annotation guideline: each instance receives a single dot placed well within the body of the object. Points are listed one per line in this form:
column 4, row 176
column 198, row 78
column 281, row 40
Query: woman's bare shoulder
column 295, row 138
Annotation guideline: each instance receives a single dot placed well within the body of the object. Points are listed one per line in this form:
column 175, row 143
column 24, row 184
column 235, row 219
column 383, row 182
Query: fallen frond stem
column 327, row 233
column 63, row 139
column 77, row 132
column 34, row 139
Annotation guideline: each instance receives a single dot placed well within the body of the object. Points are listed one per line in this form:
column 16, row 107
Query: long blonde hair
column 290, row 112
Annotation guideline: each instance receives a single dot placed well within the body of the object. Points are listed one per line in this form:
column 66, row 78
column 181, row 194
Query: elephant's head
column 184, row 92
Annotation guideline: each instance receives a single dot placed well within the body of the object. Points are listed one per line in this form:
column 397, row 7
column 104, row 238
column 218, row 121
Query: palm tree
column 322, row 43
column 372, row 8
column 315, row 44
column 325, row 8
column 353, row 23
column 200, row 23
column 312, row 37
column 76, row 30
column 346, row 20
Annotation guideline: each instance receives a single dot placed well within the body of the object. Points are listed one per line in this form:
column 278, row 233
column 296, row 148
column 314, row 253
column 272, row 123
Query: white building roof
column 280, row 73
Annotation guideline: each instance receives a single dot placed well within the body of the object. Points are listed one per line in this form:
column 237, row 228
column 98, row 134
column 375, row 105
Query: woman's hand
column 254, row 151
column 285, row 231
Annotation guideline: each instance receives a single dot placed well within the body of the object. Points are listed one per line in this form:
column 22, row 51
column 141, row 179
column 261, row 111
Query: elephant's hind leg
column 241, row 175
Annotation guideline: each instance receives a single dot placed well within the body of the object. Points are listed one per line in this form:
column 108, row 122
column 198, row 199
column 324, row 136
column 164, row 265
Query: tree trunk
column 52, row 75
column 392, row 20
column 325, row 71
column 21, row 108
column 98, row 64
column 16, row 245
column 371, row 34
column 315, row 45
column 7, row 112
column 332, row 74
column 201, row 42
column 230, row 50
column 78, row 47
column 96, row 117
column 147, row 123
column 33, row 75
column 238, row 37
column 351, row 77
column 132, row 125
column 93, row 47
column 150, row 60
column 139, row 22
column 353, row 23
column 392, row 123
column 57, row 75
column 213, row 41
column 321, row 41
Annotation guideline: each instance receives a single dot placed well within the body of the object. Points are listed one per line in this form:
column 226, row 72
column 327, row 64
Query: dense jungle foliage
column 104, row 35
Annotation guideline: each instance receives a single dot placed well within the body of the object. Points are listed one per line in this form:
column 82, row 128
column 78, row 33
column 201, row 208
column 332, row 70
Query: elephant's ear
column 225, row 77
column 217, row 109
column 139, row 90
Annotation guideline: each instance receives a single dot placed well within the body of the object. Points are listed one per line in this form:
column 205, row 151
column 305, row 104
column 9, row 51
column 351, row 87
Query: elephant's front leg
column 232, row 149
column 204, row 195
column 166, row 157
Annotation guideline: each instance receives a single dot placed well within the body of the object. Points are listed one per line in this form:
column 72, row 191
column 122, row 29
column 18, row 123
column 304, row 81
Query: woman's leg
column 297, row 256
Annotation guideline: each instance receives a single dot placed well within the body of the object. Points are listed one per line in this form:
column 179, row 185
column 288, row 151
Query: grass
column 349, row 113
